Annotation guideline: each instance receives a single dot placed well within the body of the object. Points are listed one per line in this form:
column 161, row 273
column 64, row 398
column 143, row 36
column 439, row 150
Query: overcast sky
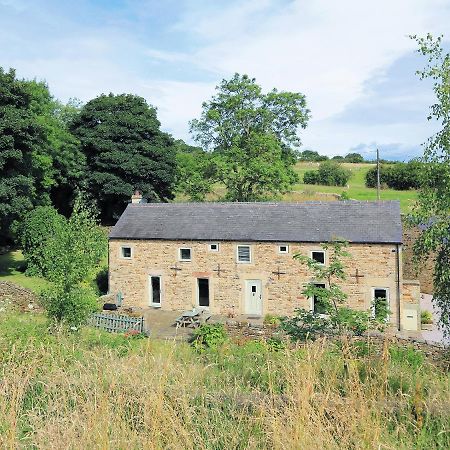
column 351, row 58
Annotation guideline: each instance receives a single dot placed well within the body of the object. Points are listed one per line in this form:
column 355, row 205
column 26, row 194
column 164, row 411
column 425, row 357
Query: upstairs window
column 318, row 256
column 244, row 254
column 214, row 247
column 283, row 248
column 126, row 252
column 185, row 254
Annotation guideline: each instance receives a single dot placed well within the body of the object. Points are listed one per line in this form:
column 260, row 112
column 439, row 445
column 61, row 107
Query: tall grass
column 93, row 390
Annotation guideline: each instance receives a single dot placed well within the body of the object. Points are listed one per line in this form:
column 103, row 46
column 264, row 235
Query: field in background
column 356, row 189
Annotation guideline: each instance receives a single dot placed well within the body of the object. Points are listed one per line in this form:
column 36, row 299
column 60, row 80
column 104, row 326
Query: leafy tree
column 22, row 166
column 432, row 211
column 329, row 173
column 339, row 158
column 63, row 164
column 253, row 137
column 401, row 176
column 38, row 228
column 195, row 171
column 125, row 150
column 310, row 155
column 68, row 259
column 354, row 158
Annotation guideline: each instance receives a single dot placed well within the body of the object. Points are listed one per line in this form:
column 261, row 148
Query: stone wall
column 281, row 293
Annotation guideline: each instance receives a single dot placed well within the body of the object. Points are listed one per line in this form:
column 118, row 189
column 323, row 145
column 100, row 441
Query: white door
column 253, row 298
column 410, row 321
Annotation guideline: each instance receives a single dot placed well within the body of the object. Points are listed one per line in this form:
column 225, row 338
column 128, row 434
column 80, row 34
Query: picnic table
column 192, row 319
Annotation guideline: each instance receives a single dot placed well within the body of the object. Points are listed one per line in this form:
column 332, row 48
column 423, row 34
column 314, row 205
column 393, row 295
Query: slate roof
column 361, row 222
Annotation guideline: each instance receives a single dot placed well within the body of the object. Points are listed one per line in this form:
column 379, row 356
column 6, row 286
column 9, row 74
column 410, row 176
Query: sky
column 352, row 59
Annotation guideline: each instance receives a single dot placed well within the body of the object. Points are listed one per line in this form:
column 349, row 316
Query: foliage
column 38, row 227
column 125, row 151
column 351, row 320
column 344, row 196
column 195, row 173
column 329, row 173
column 401, row 176
column 21, row 165
column 209, row 336
column 305, row 325
column 426, row 317
column 76, row 248
column 432, row 211
column 270, row 319
column 253, row 137
column 101, row 280
column 71, row 387
column 354, row 158
column 310, row 155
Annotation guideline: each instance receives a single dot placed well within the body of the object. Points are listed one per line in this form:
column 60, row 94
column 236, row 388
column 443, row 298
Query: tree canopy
column 125, row 150
column 253, row 135
column 432, row 211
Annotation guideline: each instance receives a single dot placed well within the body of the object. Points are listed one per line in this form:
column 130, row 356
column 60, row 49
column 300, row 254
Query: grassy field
column 12, row 267
column 356, row 189
column 94, row 390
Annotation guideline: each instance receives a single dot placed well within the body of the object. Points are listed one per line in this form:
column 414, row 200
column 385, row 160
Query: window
column 185, row 254
column 155, row 291
column 244, row 254
column 318, row 256
column 318, row 305
column 203, row 291
column 125, row 252
column 283, row 249
column 214, row 247
column 380, row 303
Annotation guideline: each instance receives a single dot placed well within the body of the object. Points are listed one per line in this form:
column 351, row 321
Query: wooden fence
column 116, row 323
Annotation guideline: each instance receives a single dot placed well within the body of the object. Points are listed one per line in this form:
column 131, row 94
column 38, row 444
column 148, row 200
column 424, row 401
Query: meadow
column 95, row 390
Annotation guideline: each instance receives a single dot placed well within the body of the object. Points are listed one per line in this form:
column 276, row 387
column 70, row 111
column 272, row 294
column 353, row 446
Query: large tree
column 254, row 137
column 125, row 150
column 432, row 212
column 22, row 167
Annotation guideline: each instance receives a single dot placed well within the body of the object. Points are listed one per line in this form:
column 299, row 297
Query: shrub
column 305, row 325
column 400, row 176
column 101, row 281
column 270, row 319
column 357, row 322
column 39, row 226
column 330, row 173
column 209, row 336
column 344, row 196
column 426, row 317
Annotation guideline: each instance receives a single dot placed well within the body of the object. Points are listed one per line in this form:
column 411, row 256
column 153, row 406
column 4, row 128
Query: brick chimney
column 137, row 198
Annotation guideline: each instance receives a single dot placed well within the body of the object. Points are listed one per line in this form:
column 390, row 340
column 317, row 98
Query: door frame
column 150, row 291
column 388, row 301
column 197, row 292
column 246, row 298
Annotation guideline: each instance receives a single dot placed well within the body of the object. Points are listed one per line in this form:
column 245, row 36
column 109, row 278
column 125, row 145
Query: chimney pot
column 137, row 197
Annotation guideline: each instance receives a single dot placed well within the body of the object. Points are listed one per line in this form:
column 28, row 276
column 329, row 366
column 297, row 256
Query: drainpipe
column 398, row 288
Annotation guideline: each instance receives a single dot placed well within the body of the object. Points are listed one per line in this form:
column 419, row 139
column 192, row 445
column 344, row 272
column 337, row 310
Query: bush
column 329, row 173
column 101, row 281
column 305, row 325
column 39, row 226
column 70, row 307
column 426, row 317
column 209, row 336
column 356, row 322
column 270, row 319
column 400, row 176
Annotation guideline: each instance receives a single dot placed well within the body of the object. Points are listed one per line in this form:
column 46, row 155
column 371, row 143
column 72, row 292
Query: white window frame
column 183, row 259
column 131, row 251
column 388, row 301
column 250, row 252
column 286, row 252
column 324, row 256
column 311, row 299
column 211, row 249
column 150, row 291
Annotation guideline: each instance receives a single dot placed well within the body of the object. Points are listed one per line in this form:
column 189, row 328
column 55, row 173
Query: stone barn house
column 237, row 258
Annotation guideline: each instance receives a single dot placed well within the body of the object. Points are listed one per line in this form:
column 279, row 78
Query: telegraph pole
column 378, row 175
